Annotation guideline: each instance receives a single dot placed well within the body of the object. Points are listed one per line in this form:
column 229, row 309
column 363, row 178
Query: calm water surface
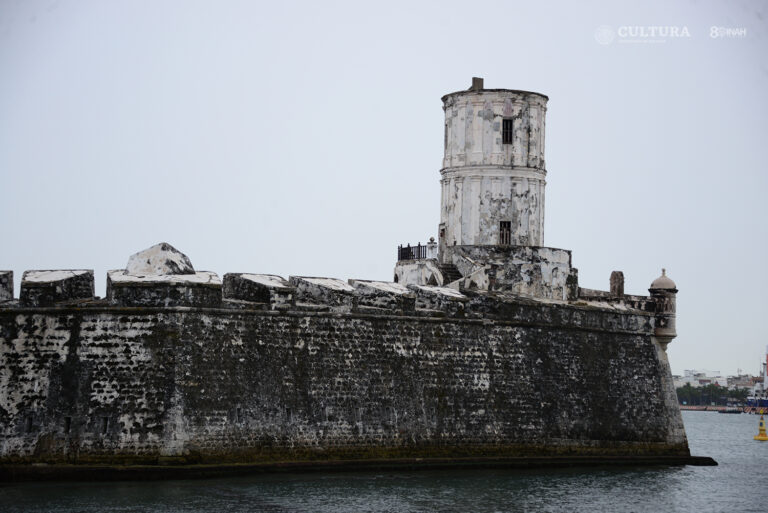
column 735, row 485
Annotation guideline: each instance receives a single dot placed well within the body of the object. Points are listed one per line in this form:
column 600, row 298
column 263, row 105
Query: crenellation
column 48, row 288
column 200, row 289
column 6, row 286
column 270, row 289
column 336, row 294
column 392, row 297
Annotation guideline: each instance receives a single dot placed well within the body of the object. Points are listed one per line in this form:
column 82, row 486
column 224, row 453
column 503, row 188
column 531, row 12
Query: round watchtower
column 493, row 174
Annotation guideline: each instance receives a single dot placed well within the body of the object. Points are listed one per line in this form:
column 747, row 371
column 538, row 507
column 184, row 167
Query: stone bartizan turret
column 664, row 293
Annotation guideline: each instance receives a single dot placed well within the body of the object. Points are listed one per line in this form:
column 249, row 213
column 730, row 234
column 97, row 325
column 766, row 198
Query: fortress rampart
column 335, row 373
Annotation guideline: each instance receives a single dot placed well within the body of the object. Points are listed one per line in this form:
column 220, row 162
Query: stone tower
column 493, row 174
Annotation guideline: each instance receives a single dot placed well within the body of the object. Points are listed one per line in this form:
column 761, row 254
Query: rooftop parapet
column 47, row 288
column 162, row 276
column 6, row 285
column 384, row 294
column 599, row 315
column 260, row 288
column 337, row 294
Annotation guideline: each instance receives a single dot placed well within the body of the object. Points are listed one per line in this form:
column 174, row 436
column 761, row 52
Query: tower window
column 505, row 233
column 506, row 131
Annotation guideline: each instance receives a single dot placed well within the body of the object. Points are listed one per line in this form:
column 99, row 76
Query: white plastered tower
column 493, row 175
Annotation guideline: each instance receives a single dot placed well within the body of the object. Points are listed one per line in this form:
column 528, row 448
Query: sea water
column 738, row 484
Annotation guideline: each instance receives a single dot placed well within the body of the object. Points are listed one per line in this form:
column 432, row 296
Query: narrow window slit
column 506, row 131
column 505, row 233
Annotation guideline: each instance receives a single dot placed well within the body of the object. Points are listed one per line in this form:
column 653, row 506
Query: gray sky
column 305, row 138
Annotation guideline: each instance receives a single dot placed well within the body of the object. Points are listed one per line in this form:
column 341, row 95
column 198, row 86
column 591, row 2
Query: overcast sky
column 305, row 138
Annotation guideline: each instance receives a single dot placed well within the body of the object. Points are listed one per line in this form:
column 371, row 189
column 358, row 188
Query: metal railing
column 411, row 252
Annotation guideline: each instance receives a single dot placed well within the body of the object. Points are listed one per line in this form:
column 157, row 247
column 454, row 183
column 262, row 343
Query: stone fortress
column 484, row 349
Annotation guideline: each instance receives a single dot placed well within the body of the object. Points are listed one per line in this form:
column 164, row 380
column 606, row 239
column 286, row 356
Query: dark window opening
column 506, row 131
column 29, row 424
column 239, row 415
column 505, row 233
column 445, row 137
column 288, row 414
column 67, row 424
column 104, row 425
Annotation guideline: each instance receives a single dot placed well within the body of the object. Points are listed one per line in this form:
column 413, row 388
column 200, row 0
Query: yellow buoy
column 762, row 436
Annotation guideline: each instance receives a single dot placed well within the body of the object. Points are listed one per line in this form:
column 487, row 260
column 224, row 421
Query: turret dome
column 663, row 282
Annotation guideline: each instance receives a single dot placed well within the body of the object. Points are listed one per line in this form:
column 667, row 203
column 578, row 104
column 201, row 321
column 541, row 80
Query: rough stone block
column 202, row 289
column 46, row 288
column 617, row 284
column 259, row 288
column 6, row 285
column 337, row 294
column 439, row 298
column 383, row 294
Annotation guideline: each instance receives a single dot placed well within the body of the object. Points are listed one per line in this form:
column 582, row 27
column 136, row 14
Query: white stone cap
column 160, row 259
column 440, row 291
column 268, row 280
column 383, row 286
column 121, row 277
column 51, row 276
column 328, row 283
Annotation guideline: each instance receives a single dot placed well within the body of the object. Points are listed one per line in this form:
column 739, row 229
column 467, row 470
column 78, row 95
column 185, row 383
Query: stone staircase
column 449, row 272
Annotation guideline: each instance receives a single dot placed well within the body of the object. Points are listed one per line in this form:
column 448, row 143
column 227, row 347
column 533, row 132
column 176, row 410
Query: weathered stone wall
column 418, row 272
column 524, row 270
column 132, row 385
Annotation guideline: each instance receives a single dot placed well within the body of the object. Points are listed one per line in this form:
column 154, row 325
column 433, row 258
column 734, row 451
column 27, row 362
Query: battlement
column 159, row 288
